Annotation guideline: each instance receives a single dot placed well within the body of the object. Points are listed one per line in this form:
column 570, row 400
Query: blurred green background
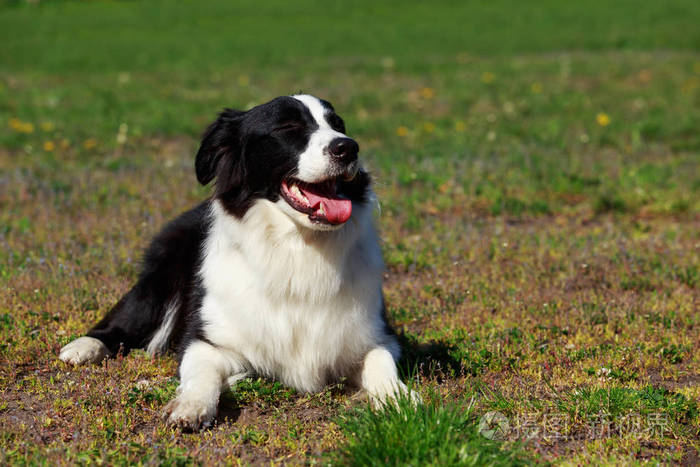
column 540, row 87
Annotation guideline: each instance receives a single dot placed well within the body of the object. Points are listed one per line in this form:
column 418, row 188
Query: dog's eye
column 291, row 126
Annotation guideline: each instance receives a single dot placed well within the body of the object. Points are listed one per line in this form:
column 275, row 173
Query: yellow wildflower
column 49, row 146
column 427, row 93
column 460, row 126
column 603, row 119
column 89, row 143
column 536, row 88
column 402, row 131
column 21, row 127
column 15, row 123
column 487, row 77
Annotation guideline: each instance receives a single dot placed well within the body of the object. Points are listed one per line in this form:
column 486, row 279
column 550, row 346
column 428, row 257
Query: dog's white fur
column 161, row 338
column 290, row 303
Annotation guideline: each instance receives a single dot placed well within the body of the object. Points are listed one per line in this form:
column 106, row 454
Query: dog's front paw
column 390, row 393
column 84, row 350
column 190, row 413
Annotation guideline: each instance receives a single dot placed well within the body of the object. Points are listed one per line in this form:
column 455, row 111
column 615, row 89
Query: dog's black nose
column 344, row 150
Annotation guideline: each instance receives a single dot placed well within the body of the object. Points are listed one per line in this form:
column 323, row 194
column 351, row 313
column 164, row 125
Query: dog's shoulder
column 179, row 243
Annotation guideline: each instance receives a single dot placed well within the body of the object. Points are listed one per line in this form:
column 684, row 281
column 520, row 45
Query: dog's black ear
column 221, row 138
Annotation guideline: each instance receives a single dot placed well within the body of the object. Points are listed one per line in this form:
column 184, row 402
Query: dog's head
column 292, row 151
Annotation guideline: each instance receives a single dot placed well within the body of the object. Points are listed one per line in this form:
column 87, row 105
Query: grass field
column 538, row 168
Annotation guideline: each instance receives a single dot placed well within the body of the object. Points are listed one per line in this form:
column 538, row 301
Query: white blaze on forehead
column 315, row 162
column 318, row 111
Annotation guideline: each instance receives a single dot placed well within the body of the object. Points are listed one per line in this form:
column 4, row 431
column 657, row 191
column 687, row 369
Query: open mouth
column 321, row 201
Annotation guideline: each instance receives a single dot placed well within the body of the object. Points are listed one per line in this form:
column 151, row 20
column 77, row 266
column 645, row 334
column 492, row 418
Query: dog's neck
column 296, row 262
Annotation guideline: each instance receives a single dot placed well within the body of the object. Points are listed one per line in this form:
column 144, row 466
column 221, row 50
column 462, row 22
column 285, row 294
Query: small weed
column 621, row 374
column 610, row 203
column 517, row 208
column 689, row 275
column 145, row 393
column 6, row 321
column 251, row 436
column 672, row 353
column 260, row 391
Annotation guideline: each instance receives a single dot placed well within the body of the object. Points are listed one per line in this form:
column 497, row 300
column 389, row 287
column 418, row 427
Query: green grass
column 430, row 434
column 161, row 35
column 538, row 171
column 617, row 401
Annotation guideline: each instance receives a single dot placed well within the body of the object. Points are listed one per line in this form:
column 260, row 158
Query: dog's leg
column 126, row 326
column 106, row 338
column 147, row 315
column 380, row 378
column 204, row 370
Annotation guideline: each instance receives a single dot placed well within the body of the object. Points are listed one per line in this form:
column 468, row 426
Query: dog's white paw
column 388, row 394
column 84, row 350
column 190, row 413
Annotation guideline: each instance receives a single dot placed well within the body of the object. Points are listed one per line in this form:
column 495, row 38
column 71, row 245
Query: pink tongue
column 337, row 210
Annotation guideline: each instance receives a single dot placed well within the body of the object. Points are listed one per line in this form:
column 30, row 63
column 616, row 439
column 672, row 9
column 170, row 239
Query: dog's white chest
column 289, row 310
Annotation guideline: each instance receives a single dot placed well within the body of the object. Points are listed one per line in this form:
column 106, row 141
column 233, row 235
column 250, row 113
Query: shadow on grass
column 228, row 412
column 431, row 359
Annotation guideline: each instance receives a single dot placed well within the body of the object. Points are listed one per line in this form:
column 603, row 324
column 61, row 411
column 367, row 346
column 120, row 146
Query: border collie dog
column 278, row 274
